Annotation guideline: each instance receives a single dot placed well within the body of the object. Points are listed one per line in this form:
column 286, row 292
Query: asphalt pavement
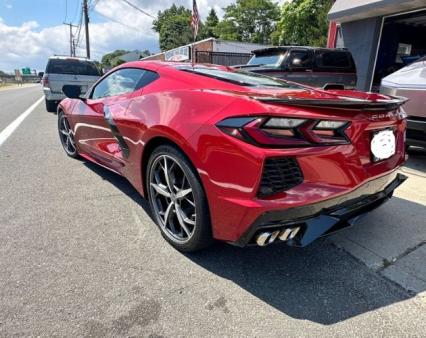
column 80, row 256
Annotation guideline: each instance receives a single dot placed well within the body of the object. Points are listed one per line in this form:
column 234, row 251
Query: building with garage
column 210, row 50
column 382, row 35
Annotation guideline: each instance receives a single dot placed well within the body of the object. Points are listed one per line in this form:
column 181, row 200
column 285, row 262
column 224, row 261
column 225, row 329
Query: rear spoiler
column 342, row 102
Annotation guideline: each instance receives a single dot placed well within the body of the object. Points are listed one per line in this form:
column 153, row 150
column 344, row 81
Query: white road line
column 5, row 133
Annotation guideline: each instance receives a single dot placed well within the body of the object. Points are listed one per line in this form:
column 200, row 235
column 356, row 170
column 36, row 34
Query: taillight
column 285, row 132
column 45, row 81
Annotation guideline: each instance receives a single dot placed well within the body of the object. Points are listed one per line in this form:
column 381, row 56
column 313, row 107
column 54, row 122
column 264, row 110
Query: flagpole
column 194, row 24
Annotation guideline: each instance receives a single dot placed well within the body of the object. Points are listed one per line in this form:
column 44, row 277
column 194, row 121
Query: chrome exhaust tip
column 266, row 238
column 262, row 238
column 273, row 237
column 294, row 233
column 289, row 234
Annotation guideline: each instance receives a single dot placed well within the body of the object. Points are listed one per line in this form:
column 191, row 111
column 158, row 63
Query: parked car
column 315, row 67
column 410, row 82
column 62, row 70
column 237, row 156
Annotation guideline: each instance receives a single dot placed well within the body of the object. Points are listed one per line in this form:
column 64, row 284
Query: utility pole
column 72, row 49
column 86, row 26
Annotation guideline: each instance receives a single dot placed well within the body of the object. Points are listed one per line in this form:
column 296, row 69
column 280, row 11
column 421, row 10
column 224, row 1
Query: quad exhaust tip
column 267, row 237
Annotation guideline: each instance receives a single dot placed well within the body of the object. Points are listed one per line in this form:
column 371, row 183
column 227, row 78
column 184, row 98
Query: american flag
column 195, row 21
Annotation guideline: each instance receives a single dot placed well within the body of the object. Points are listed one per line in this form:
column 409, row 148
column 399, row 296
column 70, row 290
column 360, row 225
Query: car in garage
column 64, row 70
column 312, row 66
column 236, row 156
column 410, row 82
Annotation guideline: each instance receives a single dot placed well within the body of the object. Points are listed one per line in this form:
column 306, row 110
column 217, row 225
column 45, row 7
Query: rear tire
column 178, row 201
column 51, row 106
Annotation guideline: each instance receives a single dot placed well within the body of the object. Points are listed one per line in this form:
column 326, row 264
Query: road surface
column 80, row 256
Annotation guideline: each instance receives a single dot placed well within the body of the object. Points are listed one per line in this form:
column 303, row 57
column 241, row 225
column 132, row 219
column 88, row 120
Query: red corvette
column 236, row 156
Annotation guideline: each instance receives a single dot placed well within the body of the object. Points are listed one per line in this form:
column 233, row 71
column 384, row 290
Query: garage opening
column 403, row 41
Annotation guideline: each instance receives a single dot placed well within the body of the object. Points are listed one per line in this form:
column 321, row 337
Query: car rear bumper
column 325, row 217
column 53, row 96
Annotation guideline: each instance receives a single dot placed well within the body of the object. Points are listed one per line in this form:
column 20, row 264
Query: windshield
column 265, row 60
column 241, row 78
column 72, row 67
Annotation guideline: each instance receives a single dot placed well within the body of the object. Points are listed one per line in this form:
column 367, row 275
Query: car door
column 96, row 132
column 298, row 65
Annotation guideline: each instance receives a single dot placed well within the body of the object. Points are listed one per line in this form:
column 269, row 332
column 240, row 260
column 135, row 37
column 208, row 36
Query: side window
column 299, row 60
column 333, row 61
column 147, row 78
column 120, row 82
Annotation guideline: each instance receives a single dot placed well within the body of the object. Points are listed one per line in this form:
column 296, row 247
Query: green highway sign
column 26, row 71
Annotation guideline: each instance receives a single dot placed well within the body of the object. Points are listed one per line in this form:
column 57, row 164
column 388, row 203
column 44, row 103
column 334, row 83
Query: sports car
column 235, row 156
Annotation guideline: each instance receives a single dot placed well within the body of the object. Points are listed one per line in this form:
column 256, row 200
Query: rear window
column 240, row 78
column 334, row 60
column 271, row 60
column 72, row 67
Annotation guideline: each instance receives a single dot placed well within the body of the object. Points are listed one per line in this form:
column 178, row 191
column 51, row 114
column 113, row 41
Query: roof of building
column 353, row 10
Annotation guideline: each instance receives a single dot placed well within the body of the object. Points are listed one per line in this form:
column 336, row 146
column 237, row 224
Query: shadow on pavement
column 319, row 283
column 119, row 182
column 416, row 159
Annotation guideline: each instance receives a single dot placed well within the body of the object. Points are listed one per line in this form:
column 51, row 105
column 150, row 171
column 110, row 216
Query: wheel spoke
column 181, row 218
column 160, row 190
column 167, row 174
column 183, row 193
column 190, row 202
column 167, row 213
column 64, row 132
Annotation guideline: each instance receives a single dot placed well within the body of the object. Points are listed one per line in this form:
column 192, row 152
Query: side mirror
column 72, row 91
column 40, row 74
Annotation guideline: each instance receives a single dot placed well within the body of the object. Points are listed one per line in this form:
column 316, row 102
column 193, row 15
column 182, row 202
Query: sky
column 33, row 30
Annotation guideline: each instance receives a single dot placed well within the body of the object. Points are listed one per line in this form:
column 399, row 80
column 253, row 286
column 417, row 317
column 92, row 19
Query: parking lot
column 80, row 256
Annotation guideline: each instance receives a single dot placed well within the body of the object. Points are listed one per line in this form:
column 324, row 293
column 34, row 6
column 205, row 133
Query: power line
column 66, row 10
column 139, row 9
column 76, row 11
column 119, row 22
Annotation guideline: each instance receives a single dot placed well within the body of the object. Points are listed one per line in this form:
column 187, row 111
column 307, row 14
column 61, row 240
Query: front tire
column 66, row 135
column 177, row 200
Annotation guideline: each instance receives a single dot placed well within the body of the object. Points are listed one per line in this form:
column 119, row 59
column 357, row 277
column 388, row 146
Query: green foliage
column 107, row 59
column 209, row 26
column 303, row 22
column 249, row 21
column 145, row 53
column 173, row 26
column 117, row 62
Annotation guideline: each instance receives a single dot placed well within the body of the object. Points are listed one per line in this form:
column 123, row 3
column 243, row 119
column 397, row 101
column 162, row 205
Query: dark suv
column 313, row 66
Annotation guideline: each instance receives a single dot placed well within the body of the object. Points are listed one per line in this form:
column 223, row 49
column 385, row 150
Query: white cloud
column 126, row 28
column 9, row 6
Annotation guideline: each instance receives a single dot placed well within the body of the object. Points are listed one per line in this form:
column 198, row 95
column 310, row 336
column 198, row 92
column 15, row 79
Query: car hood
column 412, row 76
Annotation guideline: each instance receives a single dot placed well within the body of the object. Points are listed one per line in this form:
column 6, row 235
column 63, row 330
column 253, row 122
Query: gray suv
column 62, row 70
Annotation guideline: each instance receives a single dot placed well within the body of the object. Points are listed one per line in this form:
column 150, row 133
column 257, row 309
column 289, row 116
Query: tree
column 173, row 27
column 249, row 21
column 107, row 59
column 303, row 22
column 145, row 53
column 209, row 27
